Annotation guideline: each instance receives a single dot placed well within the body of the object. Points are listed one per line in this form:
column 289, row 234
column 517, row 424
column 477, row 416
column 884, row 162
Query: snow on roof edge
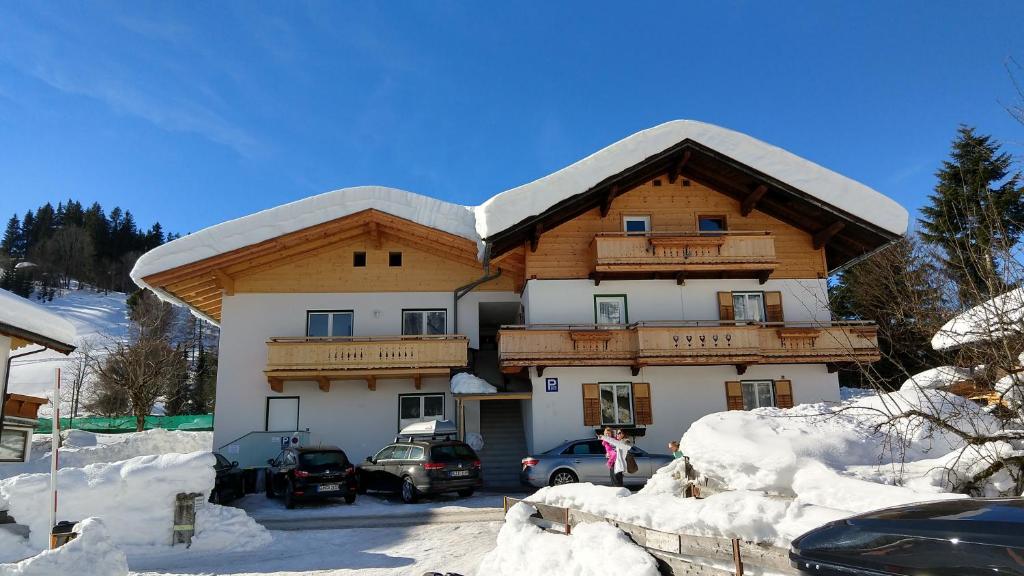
column 304, row 213
column 26, row 315
column 512, row 206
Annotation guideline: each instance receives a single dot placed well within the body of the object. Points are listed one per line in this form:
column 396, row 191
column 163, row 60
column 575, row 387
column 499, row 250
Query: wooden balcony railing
column 685, row 254
column 322, row 359
column 687, row 343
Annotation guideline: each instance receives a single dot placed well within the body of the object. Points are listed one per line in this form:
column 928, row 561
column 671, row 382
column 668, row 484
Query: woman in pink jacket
column 615, row 450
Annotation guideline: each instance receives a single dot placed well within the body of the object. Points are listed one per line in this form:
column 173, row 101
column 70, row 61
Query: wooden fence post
column 736, row 556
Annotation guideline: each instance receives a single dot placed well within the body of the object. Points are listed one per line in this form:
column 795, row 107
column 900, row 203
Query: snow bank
column 512, row 206
column 82, row 448
column 592, row 549
column 135, row 497
column 227, row 528
column 92, row 553
column 28, row 316
column 783, row 472
column 990, row 320
column 937, row 378
column 294, row 216
column 466, row 383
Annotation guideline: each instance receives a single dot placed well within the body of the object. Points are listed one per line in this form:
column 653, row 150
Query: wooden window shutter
column 773, row 306
column 733, row 395
column 725, row 311
column 783, row 394
column 591, row 405
column 642, row 412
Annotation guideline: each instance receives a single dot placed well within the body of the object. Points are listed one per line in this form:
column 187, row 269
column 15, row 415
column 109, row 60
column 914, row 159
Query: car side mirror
column 270, row 461
column 234, row 464
column 369, row 459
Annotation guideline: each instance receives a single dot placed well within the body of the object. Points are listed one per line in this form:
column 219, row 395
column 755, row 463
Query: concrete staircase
column 501, row 424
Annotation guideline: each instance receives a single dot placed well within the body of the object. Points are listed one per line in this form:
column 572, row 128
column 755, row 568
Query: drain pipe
column 7, row 378
column 463, row 290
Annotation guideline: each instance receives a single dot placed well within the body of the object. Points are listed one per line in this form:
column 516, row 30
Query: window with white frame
column 758, row 394
column 329, row 323
column 616, row 404
column 636, row 224
column 748, row 306
column 424, row 322
column 610, row 309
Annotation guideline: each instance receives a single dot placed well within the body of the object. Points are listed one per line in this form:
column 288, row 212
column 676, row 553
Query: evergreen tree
column 11, row 244
column 976, row 214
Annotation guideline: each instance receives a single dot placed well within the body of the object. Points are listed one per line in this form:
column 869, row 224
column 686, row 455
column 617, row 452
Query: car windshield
column 317, row 461
column 452, row 452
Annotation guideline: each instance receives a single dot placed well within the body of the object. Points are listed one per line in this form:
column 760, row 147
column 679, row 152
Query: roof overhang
column 844, row 236
column 21, row 337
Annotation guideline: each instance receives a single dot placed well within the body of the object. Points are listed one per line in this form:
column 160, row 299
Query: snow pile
column 1011, row 389
column 91, row 553
column 20, row 313
column 466, row 383
column 227, row 528
column 592, row 549
column 135, row 498
column 990, row 320
column 512, row 206
column 855, row 393
column 82, row 448
column 937, row 378
column 783, row 472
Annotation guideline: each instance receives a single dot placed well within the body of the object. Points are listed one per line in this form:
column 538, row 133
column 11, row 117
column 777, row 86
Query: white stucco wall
column 679, row 396
column 572, row 301
column 349, row 415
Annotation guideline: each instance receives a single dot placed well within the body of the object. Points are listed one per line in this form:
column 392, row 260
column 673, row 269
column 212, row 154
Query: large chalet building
column 678, row 272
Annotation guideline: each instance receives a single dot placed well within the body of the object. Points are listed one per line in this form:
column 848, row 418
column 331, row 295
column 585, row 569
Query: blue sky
column 193, row 113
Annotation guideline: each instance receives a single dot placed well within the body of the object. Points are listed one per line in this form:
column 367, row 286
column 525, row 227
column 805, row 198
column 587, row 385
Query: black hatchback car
column 310, row 473
column 229, row 483
column 418, row 467
column 964, row 537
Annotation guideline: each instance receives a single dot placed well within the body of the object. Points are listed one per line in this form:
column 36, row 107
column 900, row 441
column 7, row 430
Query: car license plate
column 456, row 473
column 327, row 488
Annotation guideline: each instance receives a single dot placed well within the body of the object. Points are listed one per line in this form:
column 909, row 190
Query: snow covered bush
column 91, row 553
column 592, row 549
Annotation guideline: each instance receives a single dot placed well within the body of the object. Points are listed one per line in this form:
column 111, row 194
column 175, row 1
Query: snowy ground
column 368, row 552
column 97, row 317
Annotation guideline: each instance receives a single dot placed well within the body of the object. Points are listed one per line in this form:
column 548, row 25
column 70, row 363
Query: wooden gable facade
column 567, row 250
column 322, row 258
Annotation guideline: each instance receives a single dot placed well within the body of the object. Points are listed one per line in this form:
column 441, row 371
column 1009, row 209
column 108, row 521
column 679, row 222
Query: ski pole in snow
column 55, row 442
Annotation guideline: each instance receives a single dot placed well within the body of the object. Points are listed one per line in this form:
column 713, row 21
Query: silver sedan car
column 584, row 461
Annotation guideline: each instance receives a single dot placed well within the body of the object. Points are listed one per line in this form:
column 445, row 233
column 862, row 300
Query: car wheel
column 561, row 477
column 361, row 484
column 467, row 492
column 215, row 497
column 350, row 498
column 289, row 498
column 409, row 492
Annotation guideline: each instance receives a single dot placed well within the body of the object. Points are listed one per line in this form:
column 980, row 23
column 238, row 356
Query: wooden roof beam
column 606, row 204
column 374, row 231
column 324, row 383
column 538, row 229
column 824, row 235
column 673, row 173
column 224, row 282
column 750, row 202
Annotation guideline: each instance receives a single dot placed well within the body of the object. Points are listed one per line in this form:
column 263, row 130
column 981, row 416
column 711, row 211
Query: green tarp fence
column 127, row 423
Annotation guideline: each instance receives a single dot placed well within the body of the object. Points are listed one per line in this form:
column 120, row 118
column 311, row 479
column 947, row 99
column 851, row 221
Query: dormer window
column 636, row 224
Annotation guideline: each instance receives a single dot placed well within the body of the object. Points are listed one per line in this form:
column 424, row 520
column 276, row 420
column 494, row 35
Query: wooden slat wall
column 565, row 252
column 332, row 271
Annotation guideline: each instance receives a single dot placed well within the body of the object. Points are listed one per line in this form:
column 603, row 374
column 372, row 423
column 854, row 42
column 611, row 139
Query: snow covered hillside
column 97, row 317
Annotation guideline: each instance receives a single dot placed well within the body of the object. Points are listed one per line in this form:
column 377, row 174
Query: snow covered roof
column 937, row 378
column 512, row 206
column 990, row 320
column 280, row 220
column 29, row 321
